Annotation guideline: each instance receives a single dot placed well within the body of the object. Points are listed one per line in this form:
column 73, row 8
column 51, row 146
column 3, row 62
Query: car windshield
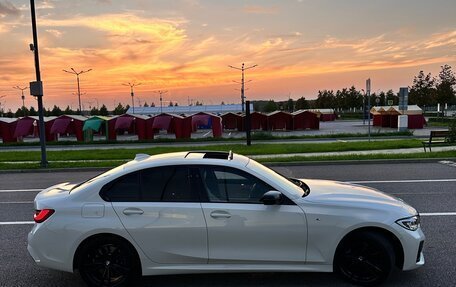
column 292, row 185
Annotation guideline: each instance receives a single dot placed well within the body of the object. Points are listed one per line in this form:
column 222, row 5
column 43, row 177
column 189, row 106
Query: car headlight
column 411, row 223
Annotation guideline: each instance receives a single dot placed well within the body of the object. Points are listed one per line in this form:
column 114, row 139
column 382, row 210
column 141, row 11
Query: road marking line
column 21, row 190
column 15, row 202
column 448, row 163
column 438, row 214
column 17, row 222
column 406, row 181
column 418, row 193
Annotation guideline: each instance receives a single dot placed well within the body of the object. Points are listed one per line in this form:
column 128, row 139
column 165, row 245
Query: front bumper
column 413, row 245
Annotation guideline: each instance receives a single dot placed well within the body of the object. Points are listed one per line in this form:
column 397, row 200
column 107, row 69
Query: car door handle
column 132, row 211
column 220, row 214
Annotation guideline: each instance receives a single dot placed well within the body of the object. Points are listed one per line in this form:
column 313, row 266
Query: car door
column 243, row 230
column 161, row 210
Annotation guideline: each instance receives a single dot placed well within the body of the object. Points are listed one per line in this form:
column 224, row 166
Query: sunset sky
column 185, row 47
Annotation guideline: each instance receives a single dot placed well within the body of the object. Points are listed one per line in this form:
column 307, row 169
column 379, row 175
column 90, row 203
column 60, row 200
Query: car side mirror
column 272, row 197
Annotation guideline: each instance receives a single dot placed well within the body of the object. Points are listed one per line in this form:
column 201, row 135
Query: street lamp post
column 242, row 69
column 160, row 92
column 368, row 90
column 73, row 71
column 132, row 93
column 38, row 86
column 22, row 94
column 1, row 106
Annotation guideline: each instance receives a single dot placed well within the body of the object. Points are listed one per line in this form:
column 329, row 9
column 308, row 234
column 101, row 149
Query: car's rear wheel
column 365, row 259
column 107, row 261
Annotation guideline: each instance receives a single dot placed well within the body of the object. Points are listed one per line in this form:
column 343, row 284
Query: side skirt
column 233, row 268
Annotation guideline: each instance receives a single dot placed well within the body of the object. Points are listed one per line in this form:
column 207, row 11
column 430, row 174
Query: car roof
column 143, row 161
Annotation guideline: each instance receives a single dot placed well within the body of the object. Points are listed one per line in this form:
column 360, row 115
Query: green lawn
column 114, row 157
column 255, row 149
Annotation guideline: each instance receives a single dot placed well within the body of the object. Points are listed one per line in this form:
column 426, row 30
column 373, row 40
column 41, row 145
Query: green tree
column 56, row 111
column 341, row 99
column 47, row 112
column 270, row 106
column 354, row 98
column 103, row 110
column 33, row 112
column 290, row 105
column 382, row 97
column 22, row 112
column 302, row 104
column 94, row 111
column 19, row 113
column 326, row 99
column 391, row 96
column 445, row 86
column 119, row 110
column 422, row 92
column 68, row 111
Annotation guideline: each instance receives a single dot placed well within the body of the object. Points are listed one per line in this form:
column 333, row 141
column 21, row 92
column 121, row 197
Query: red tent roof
column 162, row 122
column 123, row 122
column 200, row 120
column 24, row 127
column 60, row 125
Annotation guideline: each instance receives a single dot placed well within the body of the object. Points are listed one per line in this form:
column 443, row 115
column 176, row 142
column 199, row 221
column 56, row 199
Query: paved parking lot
column 430, row 187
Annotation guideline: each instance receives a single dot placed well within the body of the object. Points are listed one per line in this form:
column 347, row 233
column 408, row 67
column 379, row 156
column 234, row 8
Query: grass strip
column 352, row 157
column 255, row 149
column 256, row 135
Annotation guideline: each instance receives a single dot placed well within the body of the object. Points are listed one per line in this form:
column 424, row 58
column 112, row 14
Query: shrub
column 452, row 130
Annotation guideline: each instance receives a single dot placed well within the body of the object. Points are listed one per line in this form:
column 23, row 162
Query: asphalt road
column 430, row 187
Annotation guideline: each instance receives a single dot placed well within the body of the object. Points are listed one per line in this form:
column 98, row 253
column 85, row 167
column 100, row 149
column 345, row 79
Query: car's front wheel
column 365, row 259
column 107, row 261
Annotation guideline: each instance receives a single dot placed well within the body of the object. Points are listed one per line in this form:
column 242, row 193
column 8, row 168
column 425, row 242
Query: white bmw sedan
column 199, row 212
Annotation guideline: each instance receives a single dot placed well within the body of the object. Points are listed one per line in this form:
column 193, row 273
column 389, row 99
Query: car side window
column 126, row 188
column 167, row 183
column 224, row 184
column 178, row 186
column 153, row 181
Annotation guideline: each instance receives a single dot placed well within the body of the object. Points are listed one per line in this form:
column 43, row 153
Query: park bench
column 436, row 138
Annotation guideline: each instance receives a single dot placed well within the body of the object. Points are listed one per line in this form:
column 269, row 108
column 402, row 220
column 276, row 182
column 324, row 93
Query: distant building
column 189, row 110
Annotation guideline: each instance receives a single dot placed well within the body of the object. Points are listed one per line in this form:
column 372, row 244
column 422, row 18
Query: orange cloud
column 163, row 54
column 256, row 9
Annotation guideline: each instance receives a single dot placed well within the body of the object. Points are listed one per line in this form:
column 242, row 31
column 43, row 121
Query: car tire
column 108, row 261
column 365, row 259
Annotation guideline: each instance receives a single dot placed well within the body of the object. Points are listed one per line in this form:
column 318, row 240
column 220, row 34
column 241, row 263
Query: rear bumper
column 43, row 252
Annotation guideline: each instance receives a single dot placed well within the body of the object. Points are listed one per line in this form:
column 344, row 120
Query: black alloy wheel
column 365, row 259
column 107, row 262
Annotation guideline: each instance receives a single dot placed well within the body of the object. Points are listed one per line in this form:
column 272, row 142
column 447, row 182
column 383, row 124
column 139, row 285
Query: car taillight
column 42, row 215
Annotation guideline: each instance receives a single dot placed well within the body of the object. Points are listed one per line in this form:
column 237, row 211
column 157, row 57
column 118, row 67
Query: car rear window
column 168, row 183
